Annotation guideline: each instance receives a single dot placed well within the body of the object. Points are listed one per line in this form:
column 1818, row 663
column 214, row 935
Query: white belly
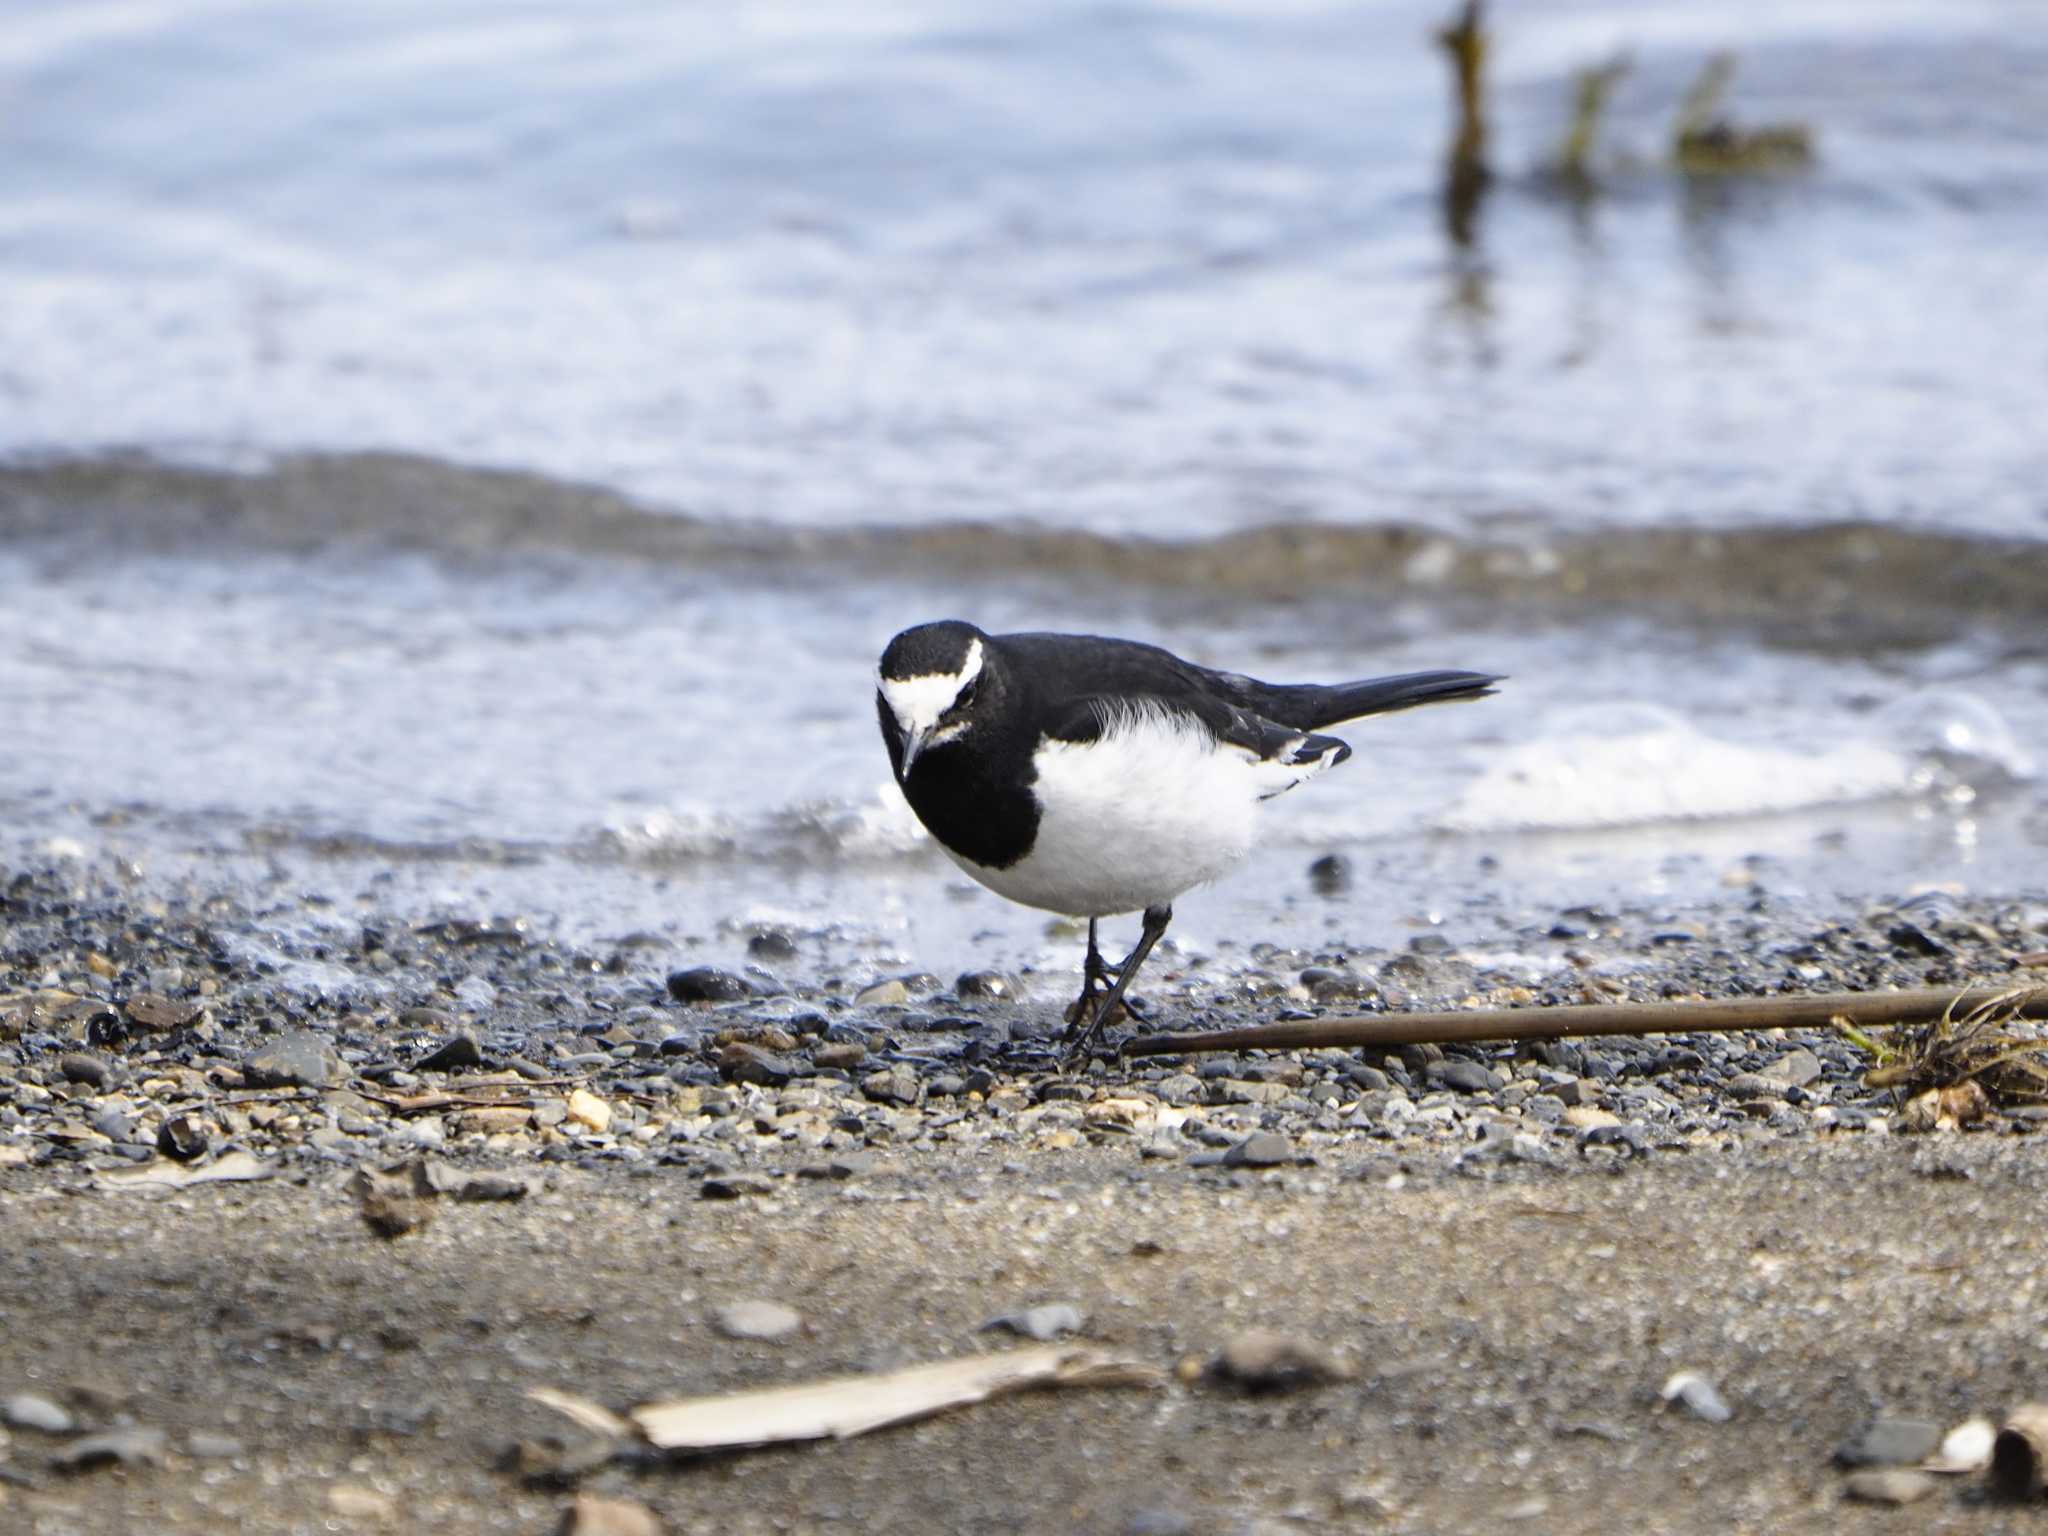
column 1134, row 819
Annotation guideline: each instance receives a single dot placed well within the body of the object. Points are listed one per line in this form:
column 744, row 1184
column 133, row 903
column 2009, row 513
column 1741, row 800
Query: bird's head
column 935, row 682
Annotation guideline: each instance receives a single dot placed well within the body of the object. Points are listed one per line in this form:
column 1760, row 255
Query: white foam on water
column 1613, row 766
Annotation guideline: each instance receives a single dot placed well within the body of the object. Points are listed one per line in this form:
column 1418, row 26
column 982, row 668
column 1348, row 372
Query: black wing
column 1071, row 667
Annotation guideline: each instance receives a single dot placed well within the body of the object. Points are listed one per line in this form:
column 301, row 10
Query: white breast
column 1152, row 808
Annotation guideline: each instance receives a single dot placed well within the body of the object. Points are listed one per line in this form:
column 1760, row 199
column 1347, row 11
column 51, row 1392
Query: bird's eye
column 965, row 698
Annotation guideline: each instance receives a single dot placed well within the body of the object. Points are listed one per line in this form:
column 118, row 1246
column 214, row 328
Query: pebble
column 706, row 984
column 1266, row 1360
column 1890, row 1442
column 301, row 1059
column 77, row 1067
column 1699, row 1395
column 840, row 1055
column 744, row 1063
column 587, row 1109
column 159, row 1014
column 1044, row 1323
column 756, row 1320
column 204, row 1445
column 731, row 1186
column 25, row 1410
column 993, row 986
column 1261, row 1149
column 883, row 993
column 897, row 1085
column 1888, row 1485
column 458, row 1051
column 183, row 1137
column 1586, row 1117
column 1465, row 1076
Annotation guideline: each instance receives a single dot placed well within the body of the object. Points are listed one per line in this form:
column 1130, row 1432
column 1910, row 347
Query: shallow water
column 797, row 326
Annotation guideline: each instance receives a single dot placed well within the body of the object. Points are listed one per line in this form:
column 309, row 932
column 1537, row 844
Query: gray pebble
column 706, row 984
column 756, row 1320
column 25, row 1410
column 732, row 1186
column 301, row 1059
column 1043, row 1323
column 1465, row 1076
column 78, row 1067
column 1261, row 1149
column 1889, row 1442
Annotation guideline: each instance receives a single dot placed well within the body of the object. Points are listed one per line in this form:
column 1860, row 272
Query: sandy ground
column 1509, row 1333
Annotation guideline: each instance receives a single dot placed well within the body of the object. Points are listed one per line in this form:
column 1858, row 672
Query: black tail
column 1312, row 707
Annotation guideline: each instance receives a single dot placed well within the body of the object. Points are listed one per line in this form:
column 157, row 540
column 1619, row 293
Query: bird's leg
column 1095, row 971
column 1156, row 919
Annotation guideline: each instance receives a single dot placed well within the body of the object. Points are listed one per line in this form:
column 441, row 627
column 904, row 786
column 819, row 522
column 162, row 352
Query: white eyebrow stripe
column 919, row 701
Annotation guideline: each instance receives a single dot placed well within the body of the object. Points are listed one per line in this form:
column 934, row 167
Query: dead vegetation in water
column 1963, row 1065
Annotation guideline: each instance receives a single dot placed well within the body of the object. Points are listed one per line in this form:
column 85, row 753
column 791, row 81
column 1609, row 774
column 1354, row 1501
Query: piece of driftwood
column 843, row 1406
column 1871, row 1010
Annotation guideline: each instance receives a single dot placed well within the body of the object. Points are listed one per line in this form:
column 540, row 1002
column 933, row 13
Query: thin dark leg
column 1156, row 919
column 1095, row 972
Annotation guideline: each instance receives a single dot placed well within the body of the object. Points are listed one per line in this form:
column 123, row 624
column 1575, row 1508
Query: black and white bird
column 1091, row 776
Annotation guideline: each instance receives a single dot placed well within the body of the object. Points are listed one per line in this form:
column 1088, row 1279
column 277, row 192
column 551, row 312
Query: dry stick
column 1815, row 1011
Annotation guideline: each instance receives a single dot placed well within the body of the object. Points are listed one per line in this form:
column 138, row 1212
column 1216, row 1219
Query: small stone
column 840, row 1055
column 1265, row 1360
column 77, row 1067
column 1261, row 1149
column 991, row 985
column 184, row 1137
column 1699, row 1395
column 1043, row 1323
column 771, row 944
column 352, row 1501
column 156, row 1013
column 25, row 1410
column 594, row 1516
column 1586, row 1117
column 1795, row 1068
column 458, row 1051
column 1159, row 1522
column 301, row 1059
column 744, row 1063
column 1330, row 875
column 204, row 1445
column 706, row 984
column 756, row 1320
column 1464, row 1076
column 897, row 1085
column 883, row 992
column 1890, row 1442
column 587, row 1109
column 731, row 1186
column 137, row 1445
column 1888, row 1485
column 845, row 1166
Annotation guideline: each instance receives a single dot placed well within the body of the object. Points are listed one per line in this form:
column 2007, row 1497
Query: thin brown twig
column 1386, row 1030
